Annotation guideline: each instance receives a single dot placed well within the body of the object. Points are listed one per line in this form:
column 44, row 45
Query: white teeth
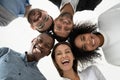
column 65, row 61
column 38, row 50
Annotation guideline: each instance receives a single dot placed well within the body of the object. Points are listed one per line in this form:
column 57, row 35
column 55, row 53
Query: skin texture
column 65, row 60
column 64, row 55
column 40, row 20
column 88, row 41
column 63, row 25
column 41, row 47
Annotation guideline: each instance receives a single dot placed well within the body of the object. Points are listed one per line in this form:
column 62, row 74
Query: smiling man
column 16, row 66
column 40, row 20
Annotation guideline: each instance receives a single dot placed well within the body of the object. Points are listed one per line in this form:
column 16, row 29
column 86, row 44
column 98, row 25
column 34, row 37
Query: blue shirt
column 16, row 7
column 14, row 66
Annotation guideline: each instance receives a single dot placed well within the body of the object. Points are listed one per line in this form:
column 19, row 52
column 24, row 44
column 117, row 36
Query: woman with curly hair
column 87, row 39
column 82, row 39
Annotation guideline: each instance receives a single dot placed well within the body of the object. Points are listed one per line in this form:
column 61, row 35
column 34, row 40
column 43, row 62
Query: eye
column 46, row 18
column 68, row 51
column 67, row 29
column 41, row 26
column 58, row 53
column 58, row 28
column 47, row 46
column 39, row 40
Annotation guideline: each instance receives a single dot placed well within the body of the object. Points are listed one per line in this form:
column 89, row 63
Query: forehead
column 37, row 12
column 62, row 46
column 46, row 38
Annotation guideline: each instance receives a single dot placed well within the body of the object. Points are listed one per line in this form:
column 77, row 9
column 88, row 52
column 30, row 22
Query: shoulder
column 112, row 12
column 93, row 69
column 92, row 72
column 5, row 50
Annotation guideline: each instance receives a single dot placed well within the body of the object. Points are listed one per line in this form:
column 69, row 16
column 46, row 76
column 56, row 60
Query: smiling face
column 87, row 42
column 40, row 20
column 41, row 46
column 63, row 25
column 64, row 57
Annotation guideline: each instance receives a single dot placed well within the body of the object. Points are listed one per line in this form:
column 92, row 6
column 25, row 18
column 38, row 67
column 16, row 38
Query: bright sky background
column 18, row 35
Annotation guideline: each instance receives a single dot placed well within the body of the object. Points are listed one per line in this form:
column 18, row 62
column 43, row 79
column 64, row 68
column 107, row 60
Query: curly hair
column 82, row 55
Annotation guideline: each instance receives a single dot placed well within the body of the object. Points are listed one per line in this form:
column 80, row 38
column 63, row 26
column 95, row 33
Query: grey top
column 14, row 66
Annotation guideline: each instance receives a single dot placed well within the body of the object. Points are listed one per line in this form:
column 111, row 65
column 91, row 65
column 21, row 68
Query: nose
column 41, row 45
column 63, row 55
column 88, row 42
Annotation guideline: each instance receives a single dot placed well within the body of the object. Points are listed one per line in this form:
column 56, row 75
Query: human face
column 41, row 46
column 63, row 25
column 41, row 21
column 87, row 42
column 64, row 57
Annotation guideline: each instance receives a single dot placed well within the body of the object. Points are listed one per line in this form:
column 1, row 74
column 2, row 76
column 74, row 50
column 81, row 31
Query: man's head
column 40, row 20
column 63, row 25
column 41, row 46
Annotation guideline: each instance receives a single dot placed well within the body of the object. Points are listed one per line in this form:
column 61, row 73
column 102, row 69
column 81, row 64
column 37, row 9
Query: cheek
column 77, row 43
column 50, row 21
column 57, row 60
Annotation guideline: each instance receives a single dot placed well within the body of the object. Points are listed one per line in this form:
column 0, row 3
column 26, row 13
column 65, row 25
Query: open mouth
column 37, row 49
column 65, row 62
column 93, row 42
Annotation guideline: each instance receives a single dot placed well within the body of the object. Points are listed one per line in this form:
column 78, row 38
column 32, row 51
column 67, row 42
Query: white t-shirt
column 109, row 23
column 90, row 73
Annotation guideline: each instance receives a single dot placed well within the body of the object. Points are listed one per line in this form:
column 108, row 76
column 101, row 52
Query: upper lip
column 65, row 61
column 38, row 48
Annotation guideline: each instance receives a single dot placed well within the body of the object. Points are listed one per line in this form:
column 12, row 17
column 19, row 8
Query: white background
column 18, row 35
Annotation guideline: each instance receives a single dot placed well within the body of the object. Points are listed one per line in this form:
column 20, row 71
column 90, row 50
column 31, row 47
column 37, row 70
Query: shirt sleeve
column 73, row 3
column 27, row 3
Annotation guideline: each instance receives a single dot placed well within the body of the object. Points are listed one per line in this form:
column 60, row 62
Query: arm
column 73, row 3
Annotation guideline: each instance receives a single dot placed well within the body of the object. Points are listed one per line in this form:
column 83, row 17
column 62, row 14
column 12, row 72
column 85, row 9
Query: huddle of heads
column 82, row 39
column 42, row 22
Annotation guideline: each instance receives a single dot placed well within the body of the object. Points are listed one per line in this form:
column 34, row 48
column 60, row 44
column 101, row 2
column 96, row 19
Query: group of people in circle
column 76, row 42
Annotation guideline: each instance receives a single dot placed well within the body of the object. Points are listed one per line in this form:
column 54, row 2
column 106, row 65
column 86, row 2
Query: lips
column 93, row 42
column 65, row 62
column 37, row 49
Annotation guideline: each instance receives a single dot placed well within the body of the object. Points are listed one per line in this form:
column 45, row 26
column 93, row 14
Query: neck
column 30, row 57
column 67, row 8
column 71, row 75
